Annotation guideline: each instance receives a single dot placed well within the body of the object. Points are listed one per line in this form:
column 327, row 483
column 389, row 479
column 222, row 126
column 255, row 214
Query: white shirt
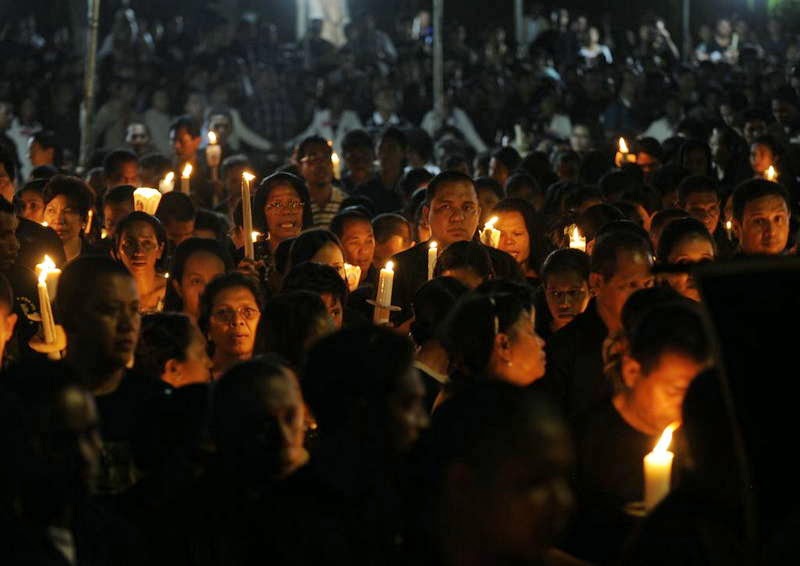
column 459, row 120
column 322, row 125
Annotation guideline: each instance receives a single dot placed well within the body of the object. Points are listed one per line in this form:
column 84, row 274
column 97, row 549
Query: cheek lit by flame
column 666, row 439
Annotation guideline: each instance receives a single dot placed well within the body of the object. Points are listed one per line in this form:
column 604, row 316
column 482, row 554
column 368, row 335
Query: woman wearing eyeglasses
column 230, row 310
column 281, row 208
column 684, row 241
column 139, row 244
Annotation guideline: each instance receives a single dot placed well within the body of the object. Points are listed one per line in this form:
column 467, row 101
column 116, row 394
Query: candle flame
column 771, row 174
column 334, row 157
column 247, row 176
column 168, row 178
column 45, row 267
column 166, row 275
column 255, row 236
column 330, row 143
column 574, row 233
column 623, row 145
column 45, row 224
column 389, row 265
column 212, row 138
column 666, row 438
column 433, row 245
column 187, row 171
column 490, row 223
column 728, row 225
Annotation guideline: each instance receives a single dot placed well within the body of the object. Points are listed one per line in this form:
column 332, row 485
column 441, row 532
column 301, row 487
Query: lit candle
column 255, row 236
column 247, row 215
column 337, row 165
column 103, row 233
column 576, row 239
column 490, row 235
column 48, row 276
column 45, row 224
column 383, row 298
column 433, row 252
column 729, row 229
column 658, row 469
column 770, row 174
column 167, row 184
column 186, row 175
column 352, row 275
column 213, row 155
column 146, row 200
column 623, row 154
column 88, row 228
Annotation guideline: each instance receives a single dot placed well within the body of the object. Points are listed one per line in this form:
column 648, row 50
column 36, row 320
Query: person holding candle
column 196, row 262
column 171, row 348
column 684, row 243
column 761, row 213
column 230, row 310
column 663, row 347
column 35, row 240
column 564, row 293
column 699, row 196
column 139, row 246
column 521, row 235
column 184, row 135
column 354, row 229
column 281, row 208
column 67, row 203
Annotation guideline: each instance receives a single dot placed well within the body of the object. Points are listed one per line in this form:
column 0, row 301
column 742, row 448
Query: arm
column 247, row 135
column 469, row 131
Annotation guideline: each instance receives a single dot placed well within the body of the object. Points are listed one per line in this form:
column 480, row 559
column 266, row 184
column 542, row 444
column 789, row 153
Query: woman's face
column 233, row 323
column 139, row 249
column 195, row 367
column 526, row 355
column 688, row 251
column 32, row 206
column 199, row 269
column 761, row 157
column 487, row 199
column 286, row 412
column 284, row 213
column 63, row 218
column 331, row 254
column 567, row 296
column 514, row 237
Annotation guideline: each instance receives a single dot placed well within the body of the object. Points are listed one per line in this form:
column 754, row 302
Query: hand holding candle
column 247, row 215
column 186, row 176
column 658, row 469
column 433, row 253
column 623, row 155
column 213, row 155
column 490, row 236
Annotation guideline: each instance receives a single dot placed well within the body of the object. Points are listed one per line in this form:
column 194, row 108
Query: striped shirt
column 325, row 213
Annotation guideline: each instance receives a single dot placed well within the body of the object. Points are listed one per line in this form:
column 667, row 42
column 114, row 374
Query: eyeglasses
column 227, row 315
column 290, row 205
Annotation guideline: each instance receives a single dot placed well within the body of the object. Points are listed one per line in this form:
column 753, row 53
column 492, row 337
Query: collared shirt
column 325, row 213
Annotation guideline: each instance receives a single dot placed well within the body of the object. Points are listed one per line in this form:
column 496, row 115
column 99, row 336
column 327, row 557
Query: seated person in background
column 393, row 234
column 172, row 349
column 565, row 290
column 663, row 346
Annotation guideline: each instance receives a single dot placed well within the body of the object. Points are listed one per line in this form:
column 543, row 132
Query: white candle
column 490, row 236
column 167, row 184
column 255, row 236
column 771, row 174
column 48, row 278
column 433, row 252
column 88, row 228
column 576, row 240
column 213, row 155
column 352, row 275
column 658, row 470
column 247, row 215
column 383, row 298
column 337, row 165
column 146, row 200
column 48, row 271
column 186, row 175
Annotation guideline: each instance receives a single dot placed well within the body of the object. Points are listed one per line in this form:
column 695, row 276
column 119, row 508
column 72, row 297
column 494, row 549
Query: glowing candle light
column 186, row 175
column 247, row 214
column 47, row 277
column 88, row 228
column 658, row 469
column 337, row 165
column 623, row 146
column 352, row 275
column 213, row 155
column 383, row 298
column 771, row 174
column 433, row 253
column 146, row 199
column 729, row 229
column 45, row 224
column 255, row 236
column 167, row 184
column 576, row 240
column 490, row 236
column 624, row 154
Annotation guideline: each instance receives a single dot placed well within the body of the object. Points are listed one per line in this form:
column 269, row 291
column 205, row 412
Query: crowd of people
column 198, row 404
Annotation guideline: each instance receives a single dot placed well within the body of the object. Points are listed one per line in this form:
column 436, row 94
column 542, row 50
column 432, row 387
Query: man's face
column 359, row 162
column 633, row 272
column 178, row 231
column 764, row 227
column 183, row 144
column 580, row 139
column 705, row 208
column 128, row 175
column 32, row 206
column 316, row 166
column 567, row 296
column 137, row 137
column 453, row 213
column 358, row 243
column 108, row 325
column 784, row 112
column 9, row 245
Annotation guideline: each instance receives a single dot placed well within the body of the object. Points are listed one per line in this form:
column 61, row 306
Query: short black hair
column 488, row 183
column 47, row 140
column 164, row 336
column 345, row 215
column 467, row 254
column 302, row 148
column 355, row 139
column 509, row 157
column 288, row 321
column 753, row 189
column 395, row 134
column 187, row 123
column 421, row 142
column 413, row 179
column 236, row 160
column 160, row 164
column 432, row 303
column 610, row 243
column 214, row 221
column 316, row 278
column 677, row 231
column 566, row 260
column 309, row 243
column 78, row 194
column 595, row 217
column 696, row 184
column 43, row 172
column 115, row 159
column 445, row 178
column 389, row 224
column 176, row 207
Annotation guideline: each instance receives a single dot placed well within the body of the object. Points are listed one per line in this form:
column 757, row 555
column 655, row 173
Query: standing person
column 332, row 122
column 383, row 188
column 565, row 289
column 316, row 168
column 521, row 236
column 358, row 154
column 196, row 262
column 67, row 203
column 621, row 263
column 184, row 135
column 354, row 230
column 171, row 348
column 699, row 197
column 230, row 310
column 139, row 245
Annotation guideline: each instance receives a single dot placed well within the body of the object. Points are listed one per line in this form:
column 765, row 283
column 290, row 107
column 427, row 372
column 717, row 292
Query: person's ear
column 502, row 348
column 595, row 282
column 631, row 371
column 172, row 369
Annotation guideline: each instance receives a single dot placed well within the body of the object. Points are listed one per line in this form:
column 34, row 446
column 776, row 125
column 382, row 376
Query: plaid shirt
column 325, row 213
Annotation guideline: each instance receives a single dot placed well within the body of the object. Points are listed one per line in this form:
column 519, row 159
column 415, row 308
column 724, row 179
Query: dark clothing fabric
column 26, row 303
column 575, row 363
column 36, row 241
column 433, row 387
column 384, row 199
